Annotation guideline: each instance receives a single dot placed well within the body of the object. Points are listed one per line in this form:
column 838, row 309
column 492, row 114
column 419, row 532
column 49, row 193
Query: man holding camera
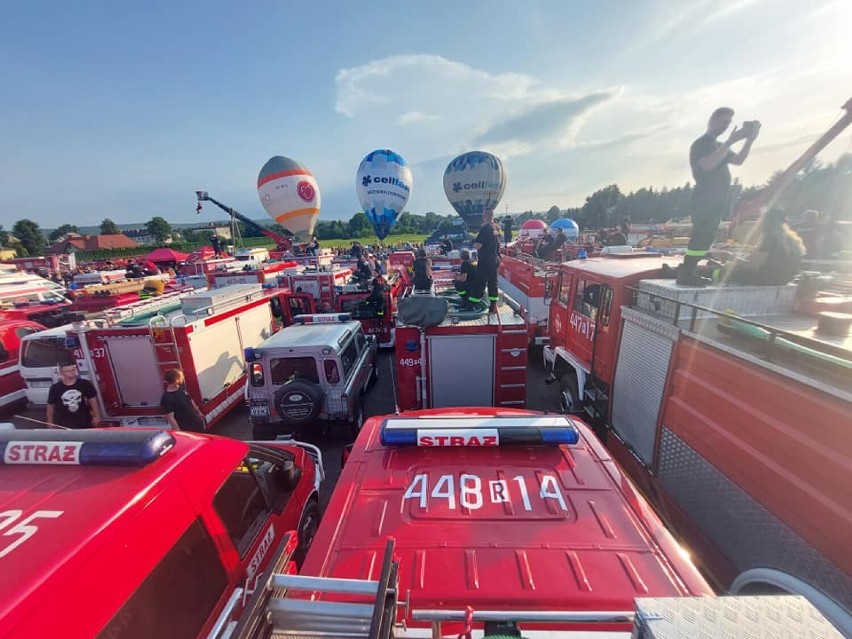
column 709, row 160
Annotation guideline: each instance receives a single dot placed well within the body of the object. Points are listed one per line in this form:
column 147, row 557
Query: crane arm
column 282, row 242
column 769, row 195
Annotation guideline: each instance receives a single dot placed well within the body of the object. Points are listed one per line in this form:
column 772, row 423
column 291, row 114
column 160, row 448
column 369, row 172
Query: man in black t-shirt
column 180, row 410
column 72, row 402
column 487, row 245
column 709, row 160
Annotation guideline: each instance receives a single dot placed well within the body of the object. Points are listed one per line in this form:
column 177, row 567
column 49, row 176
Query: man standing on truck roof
column 72, row 402
column 487, row 245
column 709, row 160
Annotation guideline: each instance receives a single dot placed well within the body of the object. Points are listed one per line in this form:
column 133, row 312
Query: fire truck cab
column 473, row 514
column 83, row 554
column 584, row 321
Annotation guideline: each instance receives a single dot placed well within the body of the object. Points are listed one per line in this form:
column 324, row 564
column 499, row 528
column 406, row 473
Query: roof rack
column 142, row 307
column 367, row 611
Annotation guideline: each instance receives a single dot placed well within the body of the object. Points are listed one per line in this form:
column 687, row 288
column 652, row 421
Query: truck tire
column 298, row 402
column 357, row 422
column 308, row 526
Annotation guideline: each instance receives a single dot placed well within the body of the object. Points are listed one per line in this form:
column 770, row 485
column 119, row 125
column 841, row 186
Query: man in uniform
column 487, row 245
column 709, row 160
column 466, row 275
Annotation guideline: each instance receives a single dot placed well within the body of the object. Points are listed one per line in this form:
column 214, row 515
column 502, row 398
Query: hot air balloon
column 383, row 183
column 569, row 226
column 290, row 195
column 532, row 229
column 474, row 181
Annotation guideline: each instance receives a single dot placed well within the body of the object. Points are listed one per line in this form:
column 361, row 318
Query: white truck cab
column 314, row 371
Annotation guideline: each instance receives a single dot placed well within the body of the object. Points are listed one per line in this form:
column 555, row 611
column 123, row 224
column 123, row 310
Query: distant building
column 93, row 243
column 140, row 236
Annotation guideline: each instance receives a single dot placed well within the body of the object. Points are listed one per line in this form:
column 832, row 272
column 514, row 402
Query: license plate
column 259, row 410
column 158, row 422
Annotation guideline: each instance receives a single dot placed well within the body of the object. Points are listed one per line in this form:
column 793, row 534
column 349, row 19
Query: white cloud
column 413, row 80
column 416, row 117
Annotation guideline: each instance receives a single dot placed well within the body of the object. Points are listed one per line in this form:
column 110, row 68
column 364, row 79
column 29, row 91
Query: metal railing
column 777, row 339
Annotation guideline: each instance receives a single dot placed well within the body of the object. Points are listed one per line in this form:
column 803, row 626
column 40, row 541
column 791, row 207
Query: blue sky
column 122, row 110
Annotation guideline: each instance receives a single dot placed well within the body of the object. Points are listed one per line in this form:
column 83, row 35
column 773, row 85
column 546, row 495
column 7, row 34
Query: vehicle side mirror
column 344, row 456
column 287, row 476
column 548, row 290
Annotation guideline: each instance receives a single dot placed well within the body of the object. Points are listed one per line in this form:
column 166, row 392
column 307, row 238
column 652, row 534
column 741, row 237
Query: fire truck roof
column 638, row 266
column 83, row 497
column 483, row 517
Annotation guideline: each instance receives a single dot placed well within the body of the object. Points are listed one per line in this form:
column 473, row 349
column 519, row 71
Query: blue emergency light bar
column 439, row 431
column 112, row 447
column 323, row 318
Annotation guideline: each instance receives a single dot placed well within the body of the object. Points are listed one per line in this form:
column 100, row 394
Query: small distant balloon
column 383, row 182
column 474, row 181
column 569, row 227
column 290, row 195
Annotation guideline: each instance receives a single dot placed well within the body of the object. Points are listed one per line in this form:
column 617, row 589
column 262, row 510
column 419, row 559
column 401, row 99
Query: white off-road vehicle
column 310, row 374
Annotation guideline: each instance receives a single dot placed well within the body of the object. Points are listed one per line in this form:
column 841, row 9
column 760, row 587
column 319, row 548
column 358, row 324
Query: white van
column 255, row 255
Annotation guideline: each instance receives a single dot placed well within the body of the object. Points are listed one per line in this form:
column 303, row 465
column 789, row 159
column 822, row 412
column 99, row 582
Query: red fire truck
column 528, row 280
column 203, row 333
column 472, row 516
column 730, row 407
column 143, row 532
column 353, row 300
column 463, row 361
column 584, row 299
column 12, row 387
column 267, row 273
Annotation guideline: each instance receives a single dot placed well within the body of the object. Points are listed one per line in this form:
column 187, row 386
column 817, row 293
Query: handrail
column 773, row 331
column 528, row 616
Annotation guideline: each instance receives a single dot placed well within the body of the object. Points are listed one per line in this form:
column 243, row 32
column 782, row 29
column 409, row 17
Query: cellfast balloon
column 290, row 195
column 474, row 181
column 383, row 182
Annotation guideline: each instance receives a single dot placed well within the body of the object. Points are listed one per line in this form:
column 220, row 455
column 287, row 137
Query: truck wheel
column 307, row 530
column 357, row 422
column 298, row 402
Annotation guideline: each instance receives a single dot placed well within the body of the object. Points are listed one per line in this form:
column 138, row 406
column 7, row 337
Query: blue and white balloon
column 474, row 181
column 569, row 226
column 384, row 183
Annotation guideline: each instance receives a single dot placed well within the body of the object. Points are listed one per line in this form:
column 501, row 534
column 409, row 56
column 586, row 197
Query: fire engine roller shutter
column 134, row 365
column 461, row 370
column 640, row 376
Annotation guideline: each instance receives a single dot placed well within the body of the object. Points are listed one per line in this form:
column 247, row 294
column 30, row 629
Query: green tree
column 553, row 214
column 4, row 236
column 108, row 227
column 598, row 211
column 30, row 235
column 65, row 229
column 159, row 228
column 359, row 225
